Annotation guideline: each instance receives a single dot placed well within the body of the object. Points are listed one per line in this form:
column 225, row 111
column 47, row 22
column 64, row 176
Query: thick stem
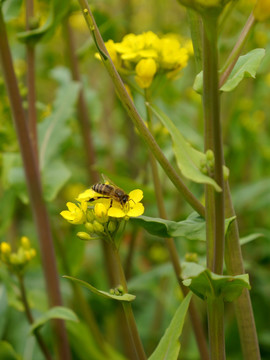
column 215, row 213
column 128, row 310
column 133, row 113
column 215, row 309
column 213, row 138
column 30, row 319
column 34, row 189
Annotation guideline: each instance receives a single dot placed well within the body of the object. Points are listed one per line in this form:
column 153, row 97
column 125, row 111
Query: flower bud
column 5, row 248
column 84, row 236
column 226, row 172
column 101, row 212
column 145, row 70
column 98, row 227
column 89, row 227
column 112, row 226
column 25, row 242
column 191, row 257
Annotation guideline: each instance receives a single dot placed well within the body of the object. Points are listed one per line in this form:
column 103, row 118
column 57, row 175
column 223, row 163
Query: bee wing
column 107, row 180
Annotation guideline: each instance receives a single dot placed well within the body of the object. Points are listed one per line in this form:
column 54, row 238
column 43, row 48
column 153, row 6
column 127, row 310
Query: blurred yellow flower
column 145, row 70
column 75, row 214
column 261, row 11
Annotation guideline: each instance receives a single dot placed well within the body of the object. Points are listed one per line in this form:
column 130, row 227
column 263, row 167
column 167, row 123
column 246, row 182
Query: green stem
column 195, row 319
column 215, row 310
column 134, row 115
column 213, row 140
column 243, row 306
column 128, row 309
column 34, row 188
column 233, row 57
column 28, row 313
column 215, row 212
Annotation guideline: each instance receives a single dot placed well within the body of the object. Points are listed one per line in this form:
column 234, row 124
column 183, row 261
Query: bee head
column 124, row 199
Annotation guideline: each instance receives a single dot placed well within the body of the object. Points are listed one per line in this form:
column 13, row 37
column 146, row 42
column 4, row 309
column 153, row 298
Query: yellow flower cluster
column 100, row 215
column 16, row 261
column 147, row 55
column 262, row 10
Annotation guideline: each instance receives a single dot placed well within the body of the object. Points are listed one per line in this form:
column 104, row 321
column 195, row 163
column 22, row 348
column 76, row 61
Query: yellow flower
column 25, row 242
column 145, row 70
column 261, row 11
column 87, row 195
column 132, row 208
column 75, row 214
column 5, row 248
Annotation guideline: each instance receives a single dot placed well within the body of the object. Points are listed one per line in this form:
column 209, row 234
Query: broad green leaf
column 124, row 297
column 7, row 352
column 246, row 66
column 11, row 9
column 52, row 132
column 188, row 159
column 58, row 10
column 57, row 312
column 193, row 228
column 205, row 283
column 169, row 345
column 54, row 178
column 246, row 239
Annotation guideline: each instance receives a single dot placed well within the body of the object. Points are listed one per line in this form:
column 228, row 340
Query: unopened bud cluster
column 208, row 163
column 17, row 261
column 97, row 224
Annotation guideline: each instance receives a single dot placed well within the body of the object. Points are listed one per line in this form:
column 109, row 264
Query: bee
column 111, row 191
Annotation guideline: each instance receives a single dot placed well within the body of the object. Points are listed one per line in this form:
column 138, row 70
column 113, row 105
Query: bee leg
column 111, row 203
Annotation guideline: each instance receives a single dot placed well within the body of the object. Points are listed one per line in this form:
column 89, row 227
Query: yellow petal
column 136, row 195
column 137, row 210
column 67, row 215
column 116, row 212
column 87, row 195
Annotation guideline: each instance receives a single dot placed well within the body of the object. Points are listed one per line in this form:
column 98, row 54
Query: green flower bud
column 90, row 215
column 84, row 236
column 98, row 227
column 226, row 172
column 89, row 227
column 111, row 291
column 112, row 226
column 120, row 289
column 191, row 257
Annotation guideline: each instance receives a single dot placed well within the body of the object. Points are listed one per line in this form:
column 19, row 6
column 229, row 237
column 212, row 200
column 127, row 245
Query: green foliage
column 107, row 295
column 189, row 160
column 193, row 228
column 205, row 283
column 11, row 9
column 7, row 352
column 245, row 67
column 169, row 345
column 57, row 312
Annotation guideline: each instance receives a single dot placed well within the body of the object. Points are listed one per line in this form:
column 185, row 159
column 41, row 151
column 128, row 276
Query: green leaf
column 57, row 312
column 11, row 9
column 124, row 297
column 169, row 345
column 54, row 178
column 189, row 160
column 246, row 66
column 205, row 283
column 193, row 228
column 53, row 131
column 246, row 239
column 7, row 352
column 58, row 10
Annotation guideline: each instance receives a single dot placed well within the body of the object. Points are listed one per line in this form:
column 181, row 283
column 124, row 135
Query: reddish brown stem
column 34, row 188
